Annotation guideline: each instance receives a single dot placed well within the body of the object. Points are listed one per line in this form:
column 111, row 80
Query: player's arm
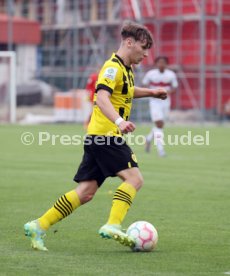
column 106, row 107
column 174, row 84
column 171, row 90
column 143, row 92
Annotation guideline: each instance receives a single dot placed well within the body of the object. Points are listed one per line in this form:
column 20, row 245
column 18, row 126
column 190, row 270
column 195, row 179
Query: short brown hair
column 166, row 59
column 138, row 32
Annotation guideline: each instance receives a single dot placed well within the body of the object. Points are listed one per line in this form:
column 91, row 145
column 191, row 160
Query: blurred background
column 49, row 48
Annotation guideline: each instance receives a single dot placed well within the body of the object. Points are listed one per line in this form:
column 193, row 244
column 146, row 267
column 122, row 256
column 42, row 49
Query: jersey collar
column 121, row 60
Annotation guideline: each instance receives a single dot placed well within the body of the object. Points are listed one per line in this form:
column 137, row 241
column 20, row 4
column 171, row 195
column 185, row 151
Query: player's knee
column 140, row 182
column 85, row 195
column 89, row 197
column 86, row 191
column 86, row 198
column 137, row 182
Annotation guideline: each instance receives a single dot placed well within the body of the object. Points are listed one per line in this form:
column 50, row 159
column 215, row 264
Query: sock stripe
column 118, row 190
column 68, row 202
column 123, row 196
column 66, row 206
column 59, row 210
column 121, row 199
column 63, row 207
column 60, row 207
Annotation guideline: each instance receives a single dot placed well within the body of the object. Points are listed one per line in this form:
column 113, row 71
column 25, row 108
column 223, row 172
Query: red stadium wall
column 186, row 51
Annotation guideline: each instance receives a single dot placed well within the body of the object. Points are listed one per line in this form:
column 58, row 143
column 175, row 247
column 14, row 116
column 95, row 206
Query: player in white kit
column 155, row 78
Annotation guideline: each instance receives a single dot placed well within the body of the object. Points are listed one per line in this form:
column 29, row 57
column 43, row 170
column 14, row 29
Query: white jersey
column 155, row 79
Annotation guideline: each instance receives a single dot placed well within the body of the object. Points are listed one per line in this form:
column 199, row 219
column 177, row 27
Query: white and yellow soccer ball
column 144, row 235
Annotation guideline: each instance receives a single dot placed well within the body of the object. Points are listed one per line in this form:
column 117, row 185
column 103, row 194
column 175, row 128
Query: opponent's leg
column 149, row 139
column 159, row 137
column 157, row 115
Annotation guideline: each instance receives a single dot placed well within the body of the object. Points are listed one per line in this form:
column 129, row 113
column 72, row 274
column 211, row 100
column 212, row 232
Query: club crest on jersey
column 110, row 73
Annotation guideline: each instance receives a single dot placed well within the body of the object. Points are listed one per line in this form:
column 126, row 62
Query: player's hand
column 160, row 93
column 126, row 127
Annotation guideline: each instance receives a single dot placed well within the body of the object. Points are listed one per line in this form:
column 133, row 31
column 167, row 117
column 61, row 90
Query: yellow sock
column 63, row 207
column 122, row 201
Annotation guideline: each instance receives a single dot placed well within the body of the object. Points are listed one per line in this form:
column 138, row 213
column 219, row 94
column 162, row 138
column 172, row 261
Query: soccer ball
column 144, row 234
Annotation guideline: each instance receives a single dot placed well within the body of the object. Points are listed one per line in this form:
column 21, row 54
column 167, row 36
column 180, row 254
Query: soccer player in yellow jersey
column 105, row 150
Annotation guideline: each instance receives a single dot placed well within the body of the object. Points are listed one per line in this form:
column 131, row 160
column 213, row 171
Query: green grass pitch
column 186, row 196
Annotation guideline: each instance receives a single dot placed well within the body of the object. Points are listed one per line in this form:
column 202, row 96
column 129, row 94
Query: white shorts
column 159, row 109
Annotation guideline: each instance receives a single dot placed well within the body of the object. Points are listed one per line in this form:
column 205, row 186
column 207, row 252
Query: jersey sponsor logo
column 110, row 73
column 128, row 100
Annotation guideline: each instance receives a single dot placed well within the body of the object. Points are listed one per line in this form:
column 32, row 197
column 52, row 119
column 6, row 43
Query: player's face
column 139, row 52
column 161, row 64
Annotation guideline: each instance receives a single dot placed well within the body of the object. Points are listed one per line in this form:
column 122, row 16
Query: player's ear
column 129, row 41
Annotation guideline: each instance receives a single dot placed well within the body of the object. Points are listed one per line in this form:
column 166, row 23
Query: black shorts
column 104, row 156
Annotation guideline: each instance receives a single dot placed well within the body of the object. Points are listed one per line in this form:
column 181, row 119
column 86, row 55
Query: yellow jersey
column 118, row 79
